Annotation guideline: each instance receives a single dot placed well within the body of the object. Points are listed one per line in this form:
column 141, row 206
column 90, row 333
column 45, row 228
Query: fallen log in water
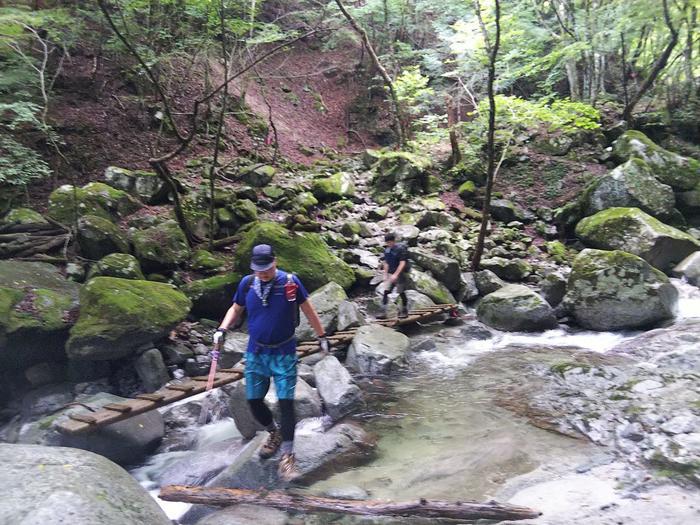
column 464, row 510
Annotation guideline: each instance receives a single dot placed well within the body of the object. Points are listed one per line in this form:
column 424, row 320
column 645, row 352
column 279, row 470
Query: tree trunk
column 461, row 510
column 385, row 76
column 659, row 65
column 452, row 119
column 572, row 77
column 688, row 53
column 490, row 145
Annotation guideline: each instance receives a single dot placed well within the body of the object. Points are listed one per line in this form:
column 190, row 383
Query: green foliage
column 19, row 164
column 412, row 89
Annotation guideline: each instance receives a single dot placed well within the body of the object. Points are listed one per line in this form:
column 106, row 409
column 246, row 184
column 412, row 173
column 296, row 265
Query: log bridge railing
column 175, row 391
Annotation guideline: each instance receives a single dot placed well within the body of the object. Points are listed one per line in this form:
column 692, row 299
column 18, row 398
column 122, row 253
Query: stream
column 442, row 433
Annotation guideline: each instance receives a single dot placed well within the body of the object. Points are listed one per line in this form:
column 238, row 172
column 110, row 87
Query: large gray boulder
column 633, row 231
column 615, row 290
column 146, row 185
column 508, row 269
column 307, row 402
column 162, row 247
column 630, row 185
column 689, row 269
column 238, row 407
column 341, row 396
column 151, row 370
column 121, row 265
column 54, row 485
column 316, row 452
column 326, row 301
column 125, row 442
column 446, row 269
column 119, row 315
column 679, row 172
column 516, row 308
column 349, row 316
column 487, row 282
column 377, row 350
column 246, row 515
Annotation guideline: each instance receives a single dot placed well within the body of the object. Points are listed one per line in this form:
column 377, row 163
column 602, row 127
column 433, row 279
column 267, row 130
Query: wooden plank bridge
column 175, row 391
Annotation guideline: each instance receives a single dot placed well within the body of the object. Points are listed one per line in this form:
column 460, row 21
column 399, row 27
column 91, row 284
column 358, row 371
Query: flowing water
column 439, row 428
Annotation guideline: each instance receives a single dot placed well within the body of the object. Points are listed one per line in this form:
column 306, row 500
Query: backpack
column 249, row 284
column 404, row 250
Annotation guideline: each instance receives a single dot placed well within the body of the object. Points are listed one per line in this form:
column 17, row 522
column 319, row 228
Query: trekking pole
column 210, row 384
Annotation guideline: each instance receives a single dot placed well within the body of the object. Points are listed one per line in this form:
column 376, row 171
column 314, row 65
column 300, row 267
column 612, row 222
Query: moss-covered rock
column 212, row 297
column 119, row 315
column 426, row 284
column 98, row 237
column 681, row 173
column 350, row 228
column 447, row 270
column 244, row 210
column 302, row 253
column 630, row 185
column 326, row 301
column 195, row 208
column 306, row 200
column 145, row 185
column 467, row 190
column 206, row 262
column 633, row 231
column 516, row 308
column 615, row 290
column 336, row 187
column 121, row 265
column 95, row 198
column 258, row 176
column 161, row 247
column 23, row 216
column 36, row 303
column 508, row 269
column 401, row 172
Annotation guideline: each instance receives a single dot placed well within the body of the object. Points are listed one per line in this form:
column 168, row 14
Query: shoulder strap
column 248, row 283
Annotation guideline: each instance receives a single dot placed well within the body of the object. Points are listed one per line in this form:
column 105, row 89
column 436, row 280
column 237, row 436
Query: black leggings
column 402, row 296
column 287, row 417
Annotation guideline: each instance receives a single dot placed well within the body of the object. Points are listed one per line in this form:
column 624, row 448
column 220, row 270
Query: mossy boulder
column 121, row 265
column 516, row 308
column 36, row 306
column 508, row 269
column 258, row 175
column 206, row 262
column 306, row 200
column 689, row 204
column 336, row 187
column 630, row 185
column 23, row 216
column 304, row 253
column 145, row 185
column 244, row 210
column 636, row 232
column 195, row 208
column 467, row 190
column 426, row 284
column 681, row 173
column 615, row 290
column 119, row 315
column 98, row 237
column 95, row 198
column 401, row 172
column 161, row 247
column 212, row 297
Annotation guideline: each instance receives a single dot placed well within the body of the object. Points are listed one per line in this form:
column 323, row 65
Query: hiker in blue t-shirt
column 396, row 266
column 270, row 297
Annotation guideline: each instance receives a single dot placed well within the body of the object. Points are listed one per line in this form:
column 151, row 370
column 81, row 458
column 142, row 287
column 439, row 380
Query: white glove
column 324, row 344
column 218, row 337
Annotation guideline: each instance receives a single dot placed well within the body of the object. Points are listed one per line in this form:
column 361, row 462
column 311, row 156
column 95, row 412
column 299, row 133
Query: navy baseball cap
column 263, row 258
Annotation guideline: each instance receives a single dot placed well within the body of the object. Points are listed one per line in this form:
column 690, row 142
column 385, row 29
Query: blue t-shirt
column 394, row 255
column 274, row 323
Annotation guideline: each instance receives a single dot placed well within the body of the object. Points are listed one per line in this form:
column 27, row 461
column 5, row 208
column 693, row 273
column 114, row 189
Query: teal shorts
column 260, row 367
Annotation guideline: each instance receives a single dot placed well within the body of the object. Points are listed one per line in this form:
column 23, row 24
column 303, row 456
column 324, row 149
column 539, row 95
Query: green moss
column 204, row 260
column 24, row 216
column 337, row 186
column 565, row 366
column 273, row 192
column 118, row 315
column 163, row 246
column 302, row 253
column 245, row 210
column 467, row 190
column 95, row 198
column 557, row 250
column 121, row 265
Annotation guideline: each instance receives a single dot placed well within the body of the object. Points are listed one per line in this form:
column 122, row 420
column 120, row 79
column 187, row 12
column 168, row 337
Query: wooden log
column 461, row 510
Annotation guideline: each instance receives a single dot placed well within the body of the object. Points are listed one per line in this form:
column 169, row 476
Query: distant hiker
column 396, row 266
column 271, row 297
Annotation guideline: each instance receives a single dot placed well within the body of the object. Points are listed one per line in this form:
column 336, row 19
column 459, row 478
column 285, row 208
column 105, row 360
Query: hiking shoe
column 382, row 313
column 403, row 313
column 287, row 469
column 274, row 440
